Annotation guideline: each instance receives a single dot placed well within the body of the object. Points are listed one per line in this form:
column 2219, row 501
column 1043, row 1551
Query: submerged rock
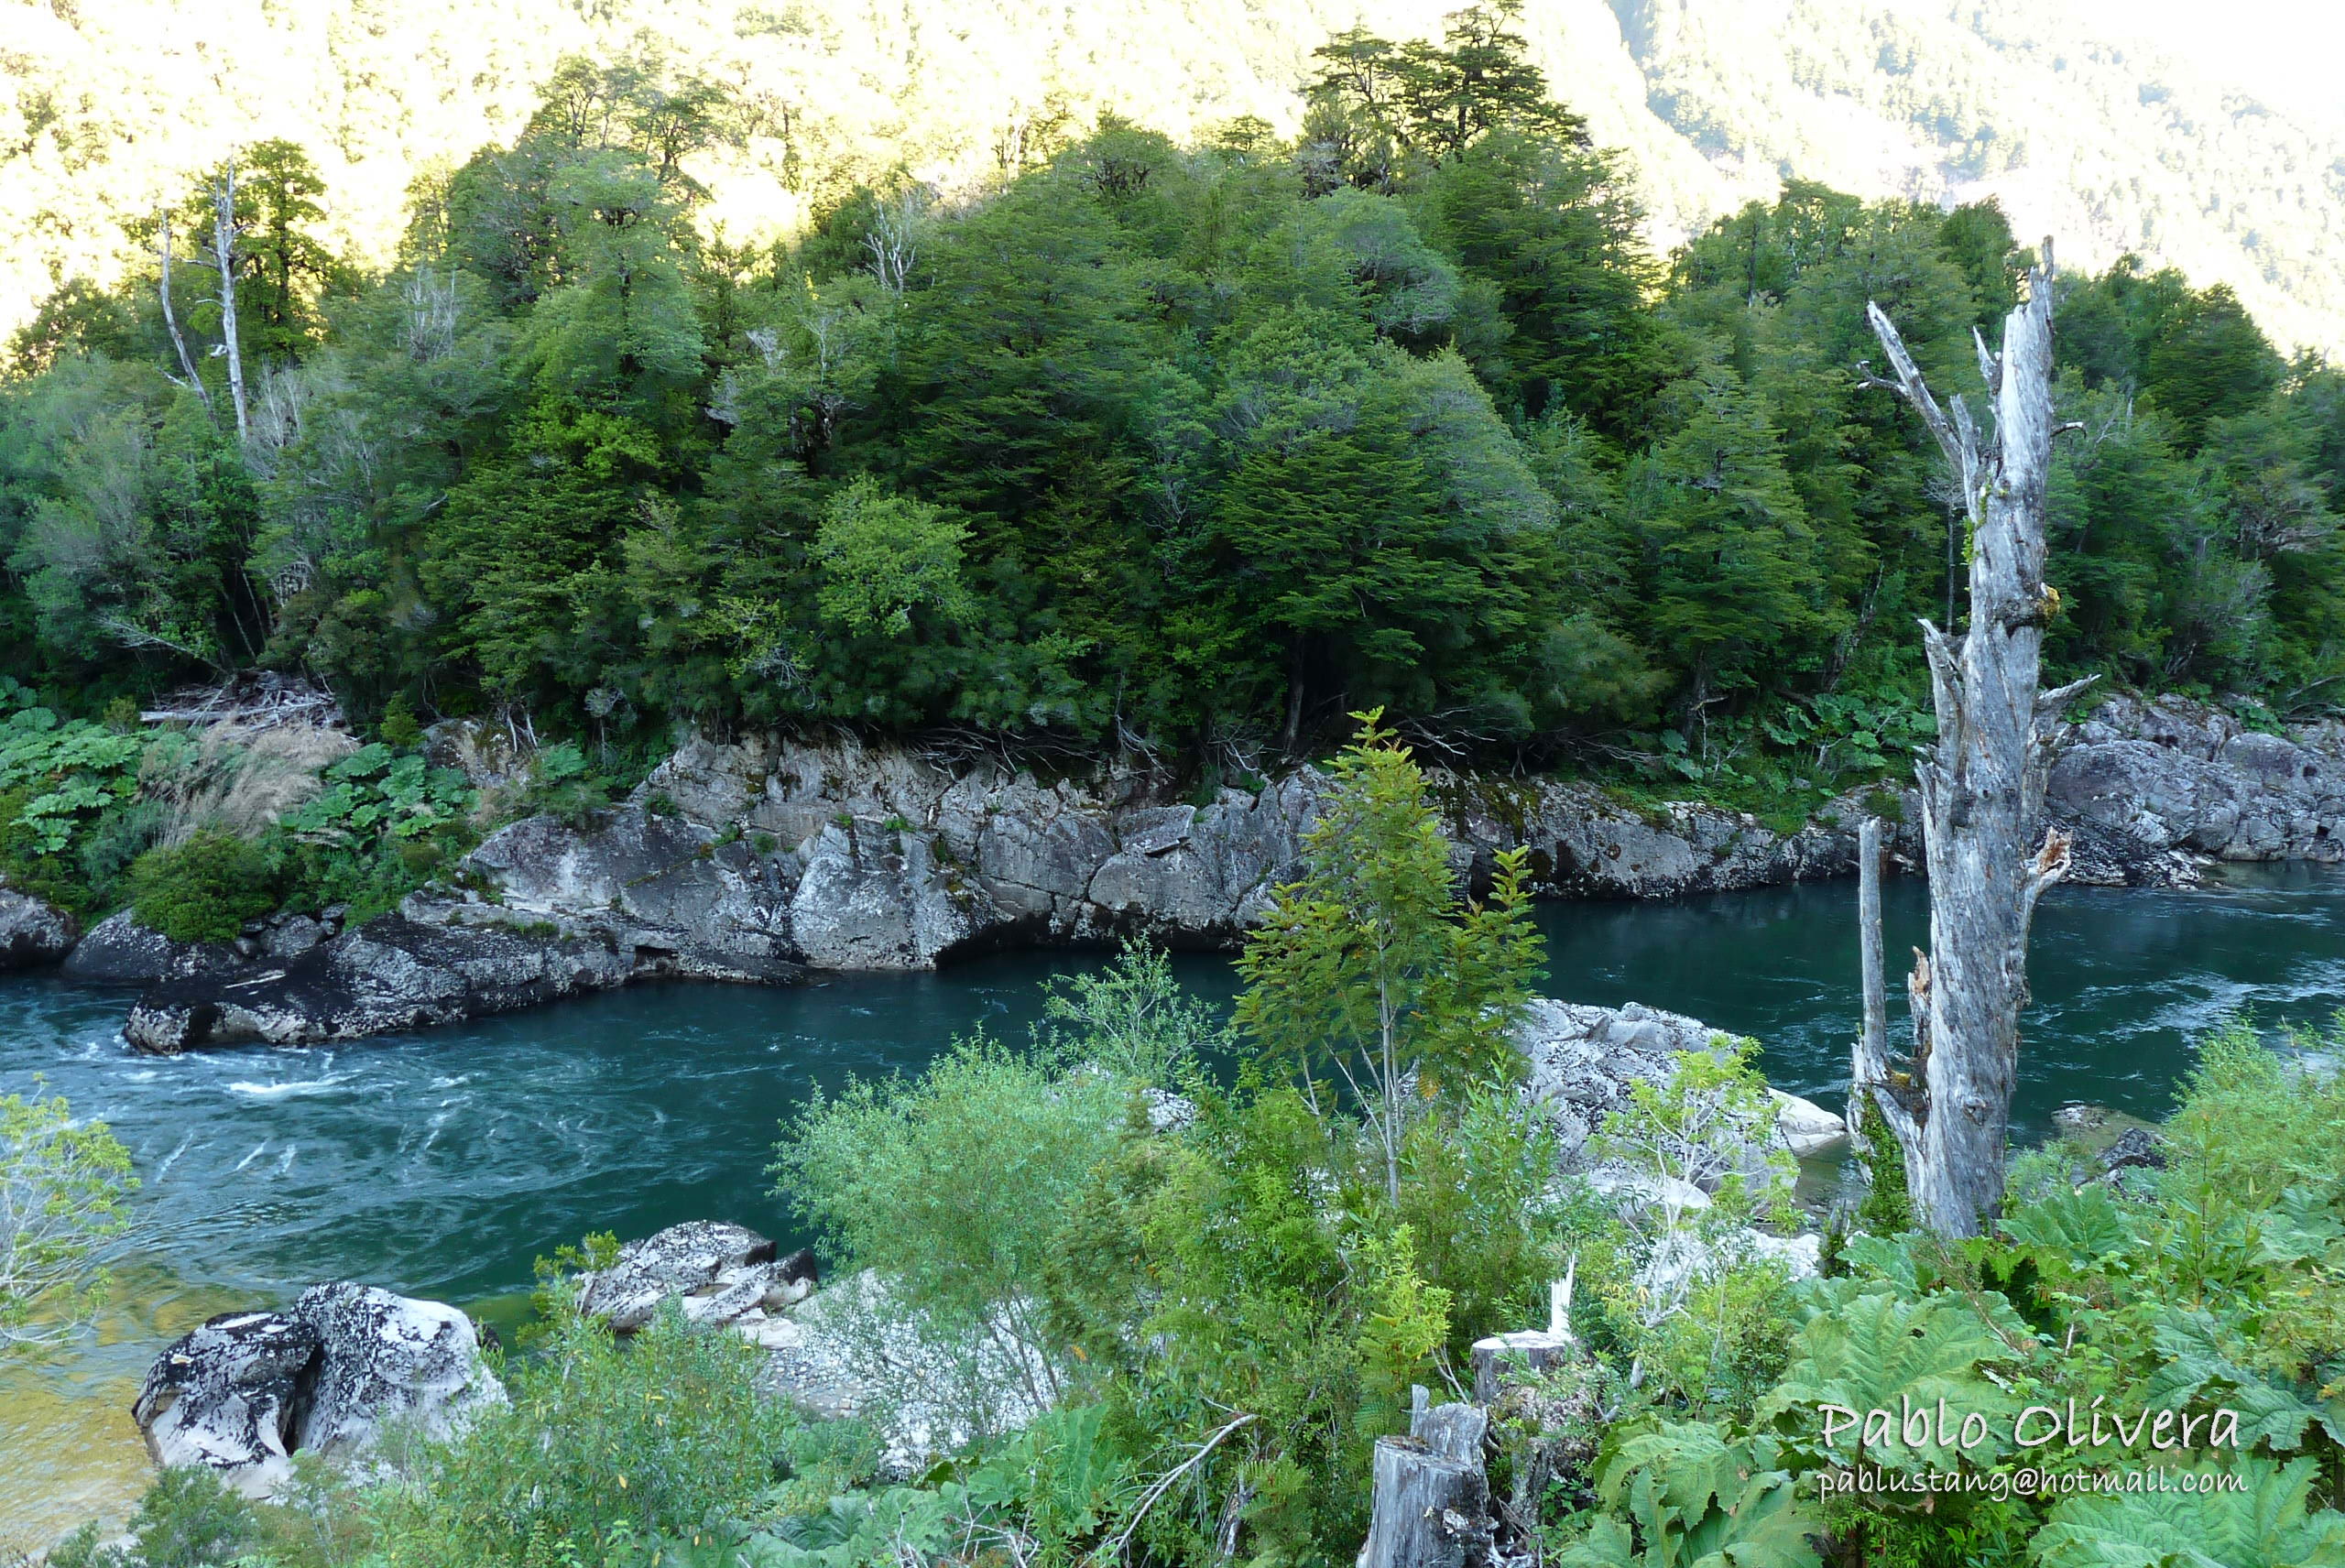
column 717, row 1272
column 247, row 1390
column 32, row 932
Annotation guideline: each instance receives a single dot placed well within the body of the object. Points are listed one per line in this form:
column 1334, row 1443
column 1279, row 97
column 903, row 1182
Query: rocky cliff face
column 2176, row 778
column 756, row 860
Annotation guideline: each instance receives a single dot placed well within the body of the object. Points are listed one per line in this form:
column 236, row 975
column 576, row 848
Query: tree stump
column 1432, row 1497
column 1502, row 1356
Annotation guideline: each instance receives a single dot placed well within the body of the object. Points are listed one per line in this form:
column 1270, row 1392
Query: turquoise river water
column 440, row 1164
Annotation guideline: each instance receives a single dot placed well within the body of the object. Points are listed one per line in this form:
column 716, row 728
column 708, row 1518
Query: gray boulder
column 717, row 1272
column 393, row 973
column 382, row 1356
column 32, row 932
column 1583, row 1059
column 119, row 951
column 247, row 1390
column 228, row 1395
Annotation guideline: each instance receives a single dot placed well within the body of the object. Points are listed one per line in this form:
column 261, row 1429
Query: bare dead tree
column 1982, row 791
column 224, row 233
column 170, row 317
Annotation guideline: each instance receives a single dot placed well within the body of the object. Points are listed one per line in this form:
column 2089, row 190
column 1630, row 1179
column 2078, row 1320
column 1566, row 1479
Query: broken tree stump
column 1504, row 1355
column 1433, row 1496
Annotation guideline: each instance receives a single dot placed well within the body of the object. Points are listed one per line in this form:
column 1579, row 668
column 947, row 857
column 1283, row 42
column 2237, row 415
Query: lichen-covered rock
column 32, row 932
column 1583, row 1059
column 2182, row 777
column 227, row 1394
column 383, row 1356
column 247, row 1390
column 717, row 1272
column 393, row 973
column 119, row 951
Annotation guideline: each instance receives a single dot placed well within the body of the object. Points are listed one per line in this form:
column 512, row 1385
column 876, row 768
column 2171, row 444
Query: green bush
column 602, row 1445
column 206, row 888
column 400, row 730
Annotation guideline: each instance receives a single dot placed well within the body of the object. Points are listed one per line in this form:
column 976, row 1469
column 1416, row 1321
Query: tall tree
column 1982, row 792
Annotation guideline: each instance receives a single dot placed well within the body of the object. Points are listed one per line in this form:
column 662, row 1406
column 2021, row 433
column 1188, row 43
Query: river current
column 440, row 1164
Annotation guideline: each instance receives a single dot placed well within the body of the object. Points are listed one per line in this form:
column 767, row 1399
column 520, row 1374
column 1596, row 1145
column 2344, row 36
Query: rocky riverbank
column 758, row 860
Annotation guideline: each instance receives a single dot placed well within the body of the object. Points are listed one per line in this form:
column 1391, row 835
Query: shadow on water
column 440, row 1164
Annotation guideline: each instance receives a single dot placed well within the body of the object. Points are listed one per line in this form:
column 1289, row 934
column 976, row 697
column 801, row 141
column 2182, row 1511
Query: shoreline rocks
column 244, row 1392
column 1583, row 1061
column 758, row 860
column 717, row 1272
column 32, row 932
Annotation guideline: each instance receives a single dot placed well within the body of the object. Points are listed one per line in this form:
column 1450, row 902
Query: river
column 440, row 1164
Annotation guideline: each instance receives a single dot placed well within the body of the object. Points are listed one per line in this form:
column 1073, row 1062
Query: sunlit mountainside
column 108, row 105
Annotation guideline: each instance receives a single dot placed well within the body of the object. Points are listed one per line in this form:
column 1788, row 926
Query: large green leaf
column 2265, row 1524
column 1869, row 1350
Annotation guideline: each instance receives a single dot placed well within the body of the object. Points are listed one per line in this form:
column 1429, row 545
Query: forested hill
column 1185, row 448
column 108, row 107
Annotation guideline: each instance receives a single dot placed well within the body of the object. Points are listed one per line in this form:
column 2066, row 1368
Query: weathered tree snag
column 1433, row 1496
column 1869, row 1061
column 1982, row 791
column 170, row 316
column 225, row 230
column 1501, row 1357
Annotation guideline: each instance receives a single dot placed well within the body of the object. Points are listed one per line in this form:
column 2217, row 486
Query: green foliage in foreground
column 64, row 1189
column 1229, row 1307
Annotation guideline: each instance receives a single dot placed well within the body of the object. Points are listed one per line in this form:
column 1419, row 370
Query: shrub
column 62, row 1186
column 399, row 728
column 206, row 888
column 602, row 1445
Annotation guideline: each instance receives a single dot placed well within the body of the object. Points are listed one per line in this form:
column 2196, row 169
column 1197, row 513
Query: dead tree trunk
column 223, row 252
column 1433, row 1494
column 170, row 316
column 1982, row 791
column 1870, row 1062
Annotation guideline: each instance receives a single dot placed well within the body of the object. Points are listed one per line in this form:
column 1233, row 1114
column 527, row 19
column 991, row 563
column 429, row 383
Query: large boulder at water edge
column 718, row 1273
column 1583, row 1061
column 118, row 951
column 392, row 973
column 382, row 1355
column 247, row 1390
column 31, row 931
column 226, row 1395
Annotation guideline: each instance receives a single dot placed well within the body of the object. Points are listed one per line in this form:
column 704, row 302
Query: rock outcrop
column 753, row 861
column 1583, row 1059
column 227, row 1395
column 247, row 1390
column 118, row 951
column 33, row 933
column 393, row 973
column 718, row 1273
column 383, row 1356
column 2167, row 780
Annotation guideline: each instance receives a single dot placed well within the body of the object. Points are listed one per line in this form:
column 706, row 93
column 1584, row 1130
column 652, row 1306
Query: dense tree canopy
column 1189, row 447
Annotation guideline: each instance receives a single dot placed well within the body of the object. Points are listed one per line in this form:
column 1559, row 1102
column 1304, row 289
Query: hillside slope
column 107, row 106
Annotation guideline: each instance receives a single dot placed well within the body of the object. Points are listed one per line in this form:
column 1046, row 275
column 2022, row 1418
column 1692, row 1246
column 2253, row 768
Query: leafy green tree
column 64, row 1190
column 1370, row 983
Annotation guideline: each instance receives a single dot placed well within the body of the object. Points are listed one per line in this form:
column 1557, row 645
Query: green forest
column 1187, row 450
